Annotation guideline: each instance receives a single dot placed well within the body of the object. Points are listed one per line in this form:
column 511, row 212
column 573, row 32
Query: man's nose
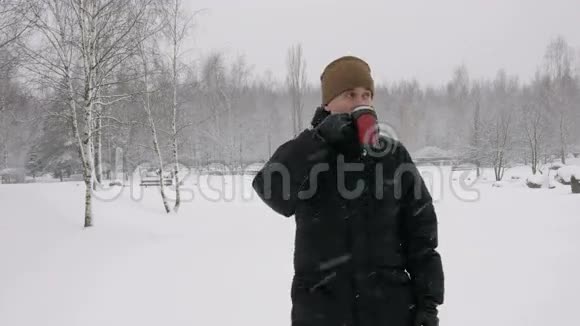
column 359, row 100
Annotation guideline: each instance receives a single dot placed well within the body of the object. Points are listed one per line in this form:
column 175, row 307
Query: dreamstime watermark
column 220, row 182
column 386, row 173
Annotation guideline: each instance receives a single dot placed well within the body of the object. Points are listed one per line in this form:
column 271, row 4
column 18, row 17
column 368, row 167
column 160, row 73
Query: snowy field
column 511, row 255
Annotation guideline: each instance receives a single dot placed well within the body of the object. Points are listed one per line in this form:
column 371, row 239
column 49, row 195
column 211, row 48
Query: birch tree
column 82, row 43
column 12, row 26
column 55, row 64
column 106, row 40
column 147, row 53
column 296, row 81
column 177, row 28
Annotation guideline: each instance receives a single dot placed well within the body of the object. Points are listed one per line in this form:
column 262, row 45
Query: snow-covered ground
column 511, row 255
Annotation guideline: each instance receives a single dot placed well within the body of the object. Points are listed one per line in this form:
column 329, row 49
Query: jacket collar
column 319, row 115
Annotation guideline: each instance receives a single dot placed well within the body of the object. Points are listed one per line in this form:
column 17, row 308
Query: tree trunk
column 5, row 156
column 147, row 108
column 160, row 159
column 476, row 135
column 88, row 202
column 534, row 159
column 499, row 167
column 294, row 123
column 241, row 153
column 98, row 148
column 562, row 139
column 85, row 154
column 89, row 167
column 174, row 120
column 269, row 145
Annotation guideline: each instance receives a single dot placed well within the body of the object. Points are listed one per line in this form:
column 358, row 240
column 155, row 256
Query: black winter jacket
column 366, row 231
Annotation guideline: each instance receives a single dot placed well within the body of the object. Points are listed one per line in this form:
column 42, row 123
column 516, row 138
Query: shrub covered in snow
column 566, row 172
column 575, row 183
column 535, row 181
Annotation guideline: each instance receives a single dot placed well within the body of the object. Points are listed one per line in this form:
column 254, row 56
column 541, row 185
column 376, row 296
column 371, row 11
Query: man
column 366, row 230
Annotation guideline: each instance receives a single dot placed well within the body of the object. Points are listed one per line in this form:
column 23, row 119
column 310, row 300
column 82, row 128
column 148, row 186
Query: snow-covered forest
column 81, row 79
column 100, row 98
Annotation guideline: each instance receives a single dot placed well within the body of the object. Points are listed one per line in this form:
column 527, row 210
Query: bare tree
column 558, row 65
column 178, row 25
column 534, row 120
column 501, row 139
column 12, row 27
column 6, row 91
column 146, row 54
column 458, row 97
column 272, row 122
column 82, row 44
column 222, row 89
column 106, row 40
column 475, row 150
column 296, row 81
column 501, row 135
column 409, row 96
column 213, row 81
column 54, row 63
column 4, row 130
column 238, row 80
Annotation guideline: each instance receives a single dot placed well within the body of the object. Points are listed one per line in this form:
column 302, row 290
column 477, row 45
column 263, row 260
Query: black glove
column 426, row 316
column 336, row 129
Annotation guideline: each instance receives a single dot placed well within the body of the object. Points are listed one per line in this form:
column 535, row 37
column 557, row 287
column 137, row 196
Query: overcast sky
column 422, row 39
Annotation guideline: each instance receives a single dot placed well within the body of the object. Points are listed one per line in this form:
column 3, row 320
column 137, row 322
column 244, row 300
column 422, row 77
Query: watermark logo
column 225, row 182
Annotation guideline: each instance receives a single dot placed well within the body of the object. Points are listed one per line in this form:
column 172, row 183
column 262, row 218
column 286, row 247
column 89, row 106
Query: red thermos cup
column 365, row 119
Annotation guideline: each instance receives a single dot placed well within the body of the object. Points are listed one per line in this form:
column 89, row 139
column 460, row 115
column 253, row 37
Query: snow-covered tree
column 81, row 44
column 147, row 61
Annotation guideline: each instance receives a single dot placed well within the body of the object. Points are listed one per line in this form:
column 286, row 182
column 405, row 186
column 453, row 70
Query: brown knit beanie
column 345, row 73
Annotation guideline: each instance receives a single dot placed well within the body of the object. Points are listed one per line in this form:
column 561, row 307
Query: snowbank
column 498, row 184
column 566, row 172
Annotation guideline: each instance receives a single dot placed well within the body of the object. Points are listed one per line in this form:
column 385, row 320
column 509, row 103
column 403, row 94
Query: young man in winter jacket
column 366, row 230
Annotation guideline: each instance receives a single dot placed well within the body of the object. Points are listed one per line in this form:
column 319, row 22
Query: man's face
column 349, row 99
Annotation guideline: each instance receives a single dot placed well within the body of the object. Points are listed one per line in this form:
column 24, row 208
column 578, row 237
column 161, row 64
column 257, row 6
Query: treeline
column 80, row 79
